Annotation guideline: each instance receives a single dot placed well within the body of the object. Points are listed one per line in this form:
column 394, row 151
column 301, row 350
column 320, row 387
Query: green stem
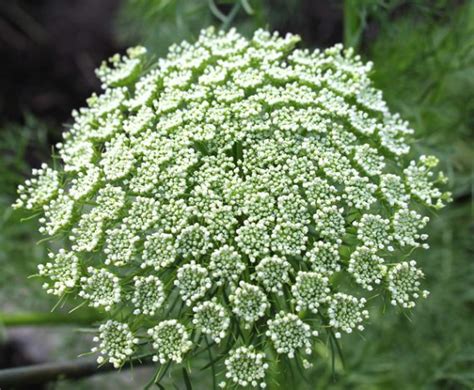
column 352, row 24
column 231, row 16
column 39, row 318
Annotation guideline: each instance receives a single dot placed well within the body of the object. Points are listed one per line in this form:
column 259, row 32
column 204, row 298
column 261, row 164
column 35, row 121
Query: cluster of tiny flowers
column 100, row 288
column 211, row 318
column 246, row 367
column 170, row 340
column 289, row 333
column 242, row 179
column 346, row 313
column 404, row 284
column 116, row 343
column 226, row 265
column 38, row 190
column 62, row 272
column 148, row 294
column 192, row 281
column 249, row 303
column 273, row 273
column 310, row 290
column 366, row 267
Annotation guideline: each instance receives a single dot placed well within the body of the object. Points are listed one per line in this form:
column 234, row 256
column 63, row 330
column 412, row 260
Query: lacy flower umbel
column 241, row 194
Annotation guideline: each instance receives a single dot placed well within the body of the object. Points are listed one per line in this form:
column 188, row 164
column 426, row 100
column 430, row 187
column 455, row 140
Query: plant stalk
column 40, row 318
column 352, row 24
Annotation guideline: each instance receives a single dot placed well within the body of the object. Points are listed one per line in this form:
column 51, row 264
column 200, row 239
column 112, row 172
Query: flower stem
column 352, row 24
column 45, row 318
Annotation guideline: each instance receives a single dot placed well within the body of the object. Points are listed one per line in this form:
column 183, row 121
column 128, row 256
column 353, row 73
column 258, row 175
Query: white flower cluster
column 226, row 265
column 310, row 290
column 366, row 267
column 116, row 343
column 148, row 294
column 346, row 313
column 249, row 303
column 38, row 190
column 289, row 333
column 192, row 281
column 243, row 177
column 211, row 318
column 101, row 288
column 272, row 273
column 62, row 272
column 246, row 367
column 404, row 284
column 170, row 340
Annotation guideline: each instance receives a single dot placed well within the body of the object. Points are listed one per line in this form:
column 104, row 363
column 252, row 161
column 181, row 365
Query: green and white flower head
column 226, row 265
column 148, row 295
column 62, row 272
column 100, row 288
column 120, row 245
column 116, row 343
column 249, row 303
column 393, row 190
column 310, row 291
column 120, row 70
column 419, row 179
column 84, row 183
column 346, row 313
column 329, row 222
column 366, row 267
column 110, row 201
column 57, row 214
column 88, row 232
column 211, row 319
column 231, row 169
column 192, row 281
column 374, row 232
column 253, row 239
column 272, row 273
column 324, row 257
column 289, row 334
column 159, row 250
column 406, row 227
column 404, row 284
column 194, row 241
column 170, row 340
column 246, row 367
column 38, row 190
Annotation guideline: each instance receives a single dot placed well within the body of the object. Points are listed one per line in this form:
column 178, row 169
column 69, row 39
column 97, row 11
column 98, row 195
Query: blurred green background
column 423, row 52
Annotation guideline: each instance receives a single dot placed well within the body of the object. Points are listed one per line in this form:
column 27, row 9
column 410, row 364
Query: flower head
column 62, row 272
column 289, row 333
column 38, row 190
column 212, row 319
column 247, row 177
column 148, row 294
column 101, row 288
column 245, row 367
column 310, row 291
column 170, row 340
column 116, row 343
column 346, row 313
column 249, row 303
column 366, row 267
column 192, row 281
column 272, row 273
column 404, row 284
